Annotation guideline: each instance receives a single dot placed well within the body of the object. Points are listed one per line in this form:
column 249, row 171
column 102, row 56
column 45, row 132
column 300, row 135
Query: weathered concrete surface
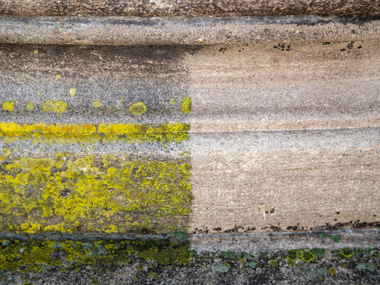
column 285, row 139
column 185, row 31
column 272, row 242
column 168, row 8
column 283, row 136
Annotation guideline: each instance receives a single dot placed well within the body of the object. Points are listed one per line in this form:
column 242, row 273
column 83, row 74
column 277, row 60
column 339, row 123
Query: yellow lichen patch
column 89, row 134
column 9, row 105
column 172, row 101
column 69, row 194
column 186, row 105
column 36, row 52
column 60, row 107
column 96, row 103
column 48, row 106
column 137, row 108
column 30, row 106
column 36, row 255
column 51, row 106
column 58, row 76
column 73, row 91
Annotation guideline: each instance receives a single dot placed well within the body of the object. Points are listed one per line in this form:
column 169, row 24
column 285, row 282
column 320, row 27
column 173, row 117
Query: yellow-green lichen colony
column 37, row 255
column 186, row 105
column 89, row 133
column 86, row 194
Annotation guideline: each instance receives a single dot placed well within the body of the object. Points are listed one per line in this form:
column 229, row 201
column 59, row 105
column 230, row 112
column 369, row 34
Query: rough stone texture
column 184, row 31
column 285, row 138
column 272, row 242
column 187, row 7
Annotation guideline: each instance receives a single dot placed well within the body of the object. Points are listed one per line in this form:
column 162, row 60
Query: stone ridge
column 168, row 8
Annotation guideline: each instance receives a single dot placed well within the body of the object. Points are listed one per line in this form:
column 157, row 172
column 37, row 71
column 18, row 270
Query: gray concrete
column 184, row 31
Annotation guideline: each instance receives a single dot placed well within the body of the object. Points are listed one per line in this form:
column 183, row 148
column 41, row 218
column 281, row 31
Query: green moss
column 186, row 105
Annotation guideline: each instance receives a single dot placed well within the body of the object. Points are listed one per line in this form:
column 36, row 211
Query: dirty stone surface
column 259, row 138
column 117, row 30
column 169, row 8
column 171, row 262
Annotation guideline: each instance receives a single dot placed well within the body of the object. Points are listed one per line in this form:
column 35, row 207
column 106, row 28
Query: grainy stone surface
column 187, row 7
column 184, row 31
column 284, row 137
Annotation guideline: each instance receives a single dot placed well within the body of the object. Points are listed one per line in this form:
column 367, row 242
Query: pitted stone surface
column 165, row 8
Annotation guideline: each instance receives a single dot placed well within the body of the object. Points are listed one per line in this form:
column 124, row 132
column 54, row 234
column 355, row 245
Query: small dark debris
column 134, row 170
column 359, row 47
column 276, row 229
column 53, row 170
column 337, row 213
column 217, row 229
column 65, row 193
column 350, row 46
column 343, row 49
column 272, row 211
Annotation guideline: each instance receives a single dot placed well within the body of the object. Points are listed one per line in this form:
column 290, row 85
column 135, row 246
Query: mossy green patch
column 89, row 194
